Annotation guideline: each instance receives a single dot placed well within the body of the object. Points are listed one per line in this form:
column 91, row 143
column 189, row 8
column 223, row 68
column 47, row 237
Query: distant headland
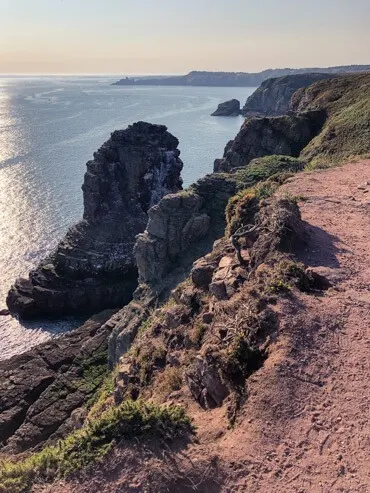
column 232, row 79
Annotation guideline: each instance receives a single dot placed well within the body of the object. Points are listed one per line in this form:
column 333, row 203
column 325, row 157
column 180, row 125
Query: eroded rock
column 273, row 97
column 228, row 108
column 41, row 389
column 285, row 135
column 205, row 382
column 94, row 267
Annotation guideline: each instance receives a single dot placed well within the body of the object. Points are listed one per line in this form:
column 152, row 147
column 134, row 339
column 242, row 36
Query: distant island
column 232, row 79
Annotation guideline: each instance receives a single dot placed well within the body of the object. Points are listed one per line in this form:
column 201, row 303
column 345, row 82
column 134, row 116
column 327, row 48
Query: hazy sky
column 172, row 36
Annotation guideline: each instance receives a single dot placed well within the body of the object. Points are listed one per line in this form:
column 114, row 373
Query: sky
column 172, row 36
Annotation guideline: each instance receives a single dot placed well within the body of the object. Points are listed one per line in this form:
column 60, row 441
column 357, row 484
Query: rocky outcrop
column 93, row 267
column 43, row 389
column 174, row 224
column 273, row 97
column 285, row 135
column 228, row 108
column 181, row 228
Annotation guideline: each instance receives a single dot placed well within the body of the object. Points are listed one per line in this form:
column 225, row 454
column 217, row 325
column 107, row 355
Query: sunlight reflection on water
column 49, row 129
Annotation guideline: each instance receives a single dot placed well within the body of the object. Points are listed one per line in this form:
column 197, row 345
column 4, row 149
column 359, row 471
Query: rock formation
column 93, row 267
column 41, row 389
column 228, row 108
column 285, row 135
column 273, row 97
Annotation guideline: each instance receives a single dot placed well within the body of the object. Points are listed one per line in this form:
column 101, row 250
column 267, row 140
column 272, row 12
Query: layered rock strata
column 94, row 267
column 44, row 391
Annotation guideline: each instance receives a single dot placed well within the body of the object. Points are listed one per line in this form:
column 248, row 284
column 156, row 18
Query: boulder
column 228, row 108
column 205, row 382
column 94, row 267
column 202, row 272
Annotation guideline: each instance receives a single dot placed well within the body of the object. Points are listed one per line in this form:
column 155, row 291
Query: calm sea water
column 49, row 128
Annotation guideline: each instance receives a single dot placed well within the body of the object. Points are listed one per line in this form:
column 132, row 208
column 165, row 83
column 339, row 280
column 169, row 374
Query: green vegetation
column 259, row 180
column 241, row 209
column 198, row 332
column 287, row 274
column 169, row 380
column 93, row 370
column 260, row 169
column 146, row 357
column 346, row 132
column 243, row 358
column 98, row 403
column 91, row 443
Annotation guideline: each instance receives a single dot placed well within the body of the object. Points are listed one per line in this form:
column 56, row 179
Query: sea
column 49, row 129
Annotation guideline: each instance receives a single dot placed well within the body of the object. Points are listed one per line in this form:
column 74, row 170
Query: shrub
column 91, row 443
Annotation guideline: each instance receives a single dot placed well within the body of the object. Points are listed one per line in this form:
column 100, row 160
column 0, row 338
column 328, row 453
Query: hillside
column 232, row 79
column 241, row 363
column 330, row 123
column 346, row 131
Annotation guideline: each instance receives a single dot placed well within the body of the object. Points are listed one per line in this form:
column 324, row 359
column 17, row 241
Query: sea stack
column 228, row 108
column 94, row 267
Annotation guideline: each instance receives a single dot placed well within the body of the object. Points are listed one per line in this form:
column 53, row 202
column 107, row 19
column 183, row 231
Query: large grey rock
column 228, row 108
column 174, row 224
column 94, row 267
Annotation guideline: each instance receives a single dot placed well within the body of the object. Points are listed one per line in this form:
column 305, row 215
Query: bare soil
column 305, row 425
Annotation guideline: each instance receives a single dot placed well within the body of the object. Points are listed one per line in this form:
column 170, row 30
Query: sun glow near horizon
column 122, row 37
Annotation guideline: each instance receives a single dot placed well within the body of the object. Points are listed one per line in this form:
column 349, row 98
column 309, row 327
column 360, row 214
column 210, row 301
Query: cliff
column 285, row 135
column 273, row 97
column 232, row 79
column 235, row 341
column 93, row 267
column 329, row 122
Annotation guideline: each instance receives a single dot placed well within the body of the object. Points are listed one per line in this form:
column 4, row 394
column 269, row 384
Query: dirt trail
column 305, row 425
column 308, row 414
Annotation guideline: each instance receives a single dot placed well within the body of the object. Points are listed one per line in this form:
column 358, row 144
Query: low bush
column 90, row 444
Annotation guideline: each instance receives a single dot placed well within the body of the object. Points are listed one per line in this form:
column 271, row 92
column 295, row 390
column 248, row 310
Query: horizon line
column 151, row 74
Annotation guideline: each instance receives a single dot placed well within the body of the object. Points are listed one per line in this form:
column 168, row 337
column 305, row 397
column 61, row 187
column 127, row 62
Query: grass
column 169, row 380
column 260, row 169
column 196, row 336
column 346, row 132
column 98, row 403
column 90, row 444
column 262, row 177
column 287, row 274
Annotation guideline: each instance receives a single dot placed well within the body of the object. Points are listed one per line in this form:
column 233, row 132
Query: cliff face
column 273, row 97
column 93, row 267
column 285, row 135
